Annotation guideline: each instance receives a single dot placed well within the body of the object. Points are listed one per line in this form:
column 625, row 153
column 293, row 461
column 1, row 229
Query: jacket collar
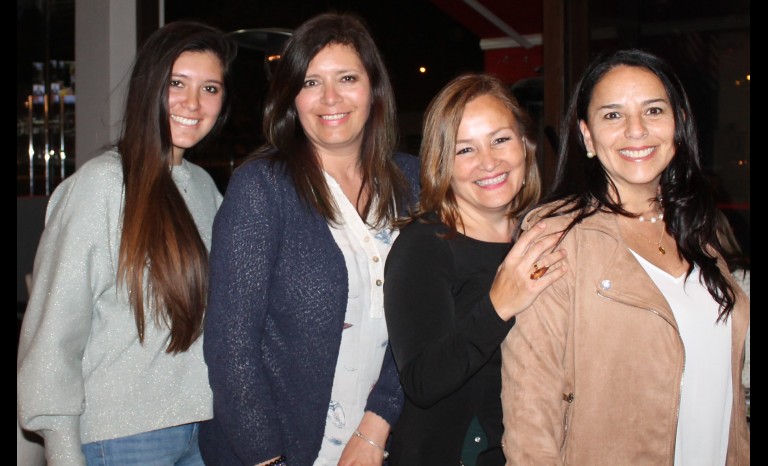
column 619, row 275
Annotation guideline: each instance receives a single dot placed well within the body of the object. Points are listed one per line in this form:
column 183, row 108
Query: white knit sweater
column 82, row 374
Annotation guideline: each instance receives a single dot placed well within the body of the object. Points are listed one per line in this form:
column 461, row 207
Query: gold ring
column 538, row 272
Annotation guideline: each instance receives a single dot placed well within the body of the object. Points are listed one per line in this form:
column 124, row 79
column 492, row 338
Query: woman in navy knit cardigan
column 295, row 338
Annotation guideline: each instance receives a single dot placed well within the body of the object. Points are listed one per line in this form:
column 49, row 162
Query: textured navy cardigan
column 278, row 292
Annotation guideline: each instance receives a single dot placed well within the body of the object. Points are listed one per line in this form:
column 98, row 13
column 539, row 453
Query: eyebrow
column 644, row 103
column 492, row 133
column 334, row 73
column 182, row 75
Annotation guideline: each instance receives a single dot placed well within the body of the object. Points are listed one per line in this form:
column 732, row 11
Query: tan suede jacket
column 592, row 371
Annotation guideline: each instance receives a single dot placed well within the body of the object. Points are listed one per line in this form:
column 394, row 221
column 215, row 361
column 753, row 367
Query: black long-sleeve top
column 445, row 335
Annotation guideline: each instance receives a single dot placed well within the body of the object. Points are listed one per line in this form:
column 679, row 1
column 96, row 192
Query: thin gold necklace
column 658, row 245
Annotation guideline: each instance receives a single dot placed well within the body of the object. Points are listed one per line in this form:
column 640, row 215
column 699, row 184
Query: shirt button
column 477, row 439
column 367, row 238
column 375, row 258
column 605, row 284
column 378, row 282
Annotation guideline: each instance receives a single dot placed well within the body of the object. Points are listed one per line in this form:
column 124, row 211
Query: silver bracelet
column 386, row 453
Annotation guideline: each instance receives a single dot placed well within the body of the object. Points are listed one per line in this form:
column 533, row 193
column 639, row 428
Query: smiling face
column 195, row 97
column 631, row 128
column 489, row 165
column 335, row 101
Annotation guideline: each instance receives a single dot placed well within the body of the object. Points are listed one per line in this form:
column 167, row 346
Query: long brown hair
column 687, row 198
column 160, row 245
column 438, row 146
column 285, row 136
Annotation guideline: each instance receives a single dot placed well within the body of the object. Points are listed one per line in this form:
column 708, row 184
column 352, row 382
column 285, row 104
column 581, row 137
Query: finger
column 529, row 237
column 542, row 245
column 553, row 257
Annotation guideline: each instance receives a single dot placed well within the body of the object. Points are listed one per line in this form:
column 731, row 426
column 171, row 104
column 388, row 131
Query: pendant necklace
column 658, row 245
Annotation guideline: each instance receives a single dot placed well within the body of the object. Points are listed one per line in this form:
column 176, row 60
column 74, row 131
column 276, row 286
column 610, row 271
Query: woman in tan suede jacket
column 635, row 356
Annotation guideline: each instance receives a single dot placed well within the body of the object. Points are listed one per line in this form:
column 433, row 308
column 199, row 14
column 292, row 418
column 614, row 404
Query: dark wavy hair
column 438, row 148
column 160, row 243
column 285, row 136
column 687, row 199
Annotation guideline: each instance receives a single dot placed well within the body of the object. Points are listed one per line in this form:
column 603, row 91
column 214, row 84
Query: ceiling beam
column 499, row 23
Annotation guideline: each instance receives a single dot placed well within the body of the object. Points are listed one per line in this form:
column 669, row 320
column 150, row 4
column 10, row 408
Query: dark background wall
column 708, row 41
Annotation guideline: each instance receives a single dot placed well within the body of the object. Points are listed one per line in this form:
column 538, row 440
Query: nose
column 191, row 100
column 330, row 96
column 635, row 128
column 487, row 159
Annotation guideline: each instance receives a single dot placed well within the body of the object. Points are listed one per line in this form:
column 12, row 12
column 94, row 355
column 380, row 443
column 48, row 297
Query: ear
column 586, row 136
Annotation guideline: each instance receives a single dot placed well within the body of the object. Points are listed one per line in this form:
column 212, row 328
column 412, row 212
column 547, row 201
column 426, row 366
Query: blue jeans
column 172, row 446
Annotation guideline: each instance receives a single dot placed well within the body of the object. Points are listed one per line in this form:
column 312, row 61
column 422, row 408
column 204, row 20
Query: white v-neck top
column 364, row 338
column 707, row 392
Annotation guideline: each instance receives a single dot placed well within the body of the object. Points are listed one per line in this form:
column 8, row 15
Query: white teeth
column 337, row 116
column 636, row 154
column 184, row 121
column 491, row 181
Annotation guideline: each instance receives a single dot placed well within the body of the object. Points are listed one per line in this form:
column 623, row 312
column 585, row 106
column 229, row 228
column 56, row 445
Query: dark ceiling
column 442, row 35
column 410, row 34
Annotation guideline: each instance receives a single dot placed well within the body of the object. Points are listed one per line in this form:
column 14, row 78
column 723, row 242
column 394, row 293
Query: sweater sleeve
column 243, row 249
column 74, row 264
column 435, row 353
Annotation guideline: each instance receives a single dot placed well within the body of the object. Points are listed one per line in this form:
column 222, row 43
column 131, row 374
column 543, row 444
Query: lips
column 334, row 117
column 185, row 121
column 636, row 154
column 492, row 181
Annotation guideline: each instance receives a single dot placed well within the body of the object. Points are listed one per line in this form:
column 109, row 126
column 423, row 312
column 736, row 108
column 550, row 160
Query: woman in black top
column 453, row 279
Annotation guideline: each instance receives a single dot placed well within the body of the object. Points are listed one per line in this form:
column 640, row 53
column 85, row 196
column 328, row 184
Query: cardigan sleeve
column 244, row 245
column 74, row 264
column 435, row 353
column 386, row 398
